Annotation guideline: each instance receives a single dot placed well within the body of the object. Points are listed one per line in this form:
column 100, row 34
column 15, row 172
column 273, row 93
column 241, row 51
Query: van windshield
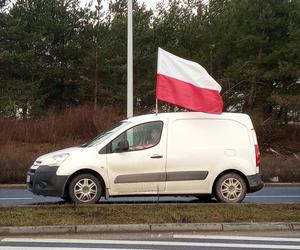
column 105, row 134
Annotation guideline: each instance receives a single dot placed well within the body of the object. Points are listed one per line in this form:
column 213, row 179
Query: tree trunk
column 253, row 87
column 63, row 75
column 96, row 89
column 97, row 83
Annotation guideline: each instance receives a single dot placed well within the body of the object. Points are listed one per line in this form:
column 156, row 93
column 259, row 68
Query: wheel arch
column 85, row 171
column 227, row 172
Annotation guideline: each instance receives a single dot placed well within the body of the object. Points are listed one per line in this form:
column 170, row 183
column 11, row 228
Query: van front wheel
column 85, row 188
column 230, row 188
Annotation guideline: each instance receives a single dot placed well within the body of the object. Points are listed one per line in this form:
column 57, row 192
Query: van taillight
column 257, row 155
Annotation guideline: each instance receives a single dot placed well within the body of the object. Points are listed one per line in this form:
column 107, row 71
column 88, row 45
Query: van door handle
column 156, row 156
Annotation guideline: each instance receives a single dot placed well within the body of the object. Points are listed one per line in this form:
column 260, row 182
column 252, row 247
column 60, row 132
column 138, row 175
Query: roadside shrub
column 22, row 141
column 285, row 168
column 74, row 123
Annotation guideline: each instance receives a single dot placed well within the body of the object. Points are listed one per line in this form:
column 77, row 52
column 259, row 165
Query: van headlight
column 55, row 159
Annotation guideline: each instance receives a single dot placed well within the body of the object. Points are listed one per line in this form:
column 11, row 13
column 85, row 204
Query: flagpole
column 129, row 61
column 156, row 100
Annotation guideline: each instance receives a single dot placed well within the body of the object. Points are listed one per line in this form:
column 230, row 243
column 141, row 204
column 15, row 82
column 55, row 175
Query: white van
column 186, row 153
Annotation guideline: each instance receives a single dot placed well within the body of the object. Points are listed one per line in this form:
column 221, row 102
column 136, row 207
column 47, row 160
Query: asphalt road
column 171, row 241
column 12, row 197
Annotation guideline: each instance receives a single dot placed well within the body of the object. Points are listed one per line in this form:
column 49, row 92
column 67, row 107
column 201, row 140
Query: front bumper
column 255, row 183
column 44, row 181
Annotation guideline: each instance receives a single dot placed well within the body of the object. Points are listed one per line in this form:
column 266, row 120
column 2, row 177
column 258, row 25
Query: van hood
column 62, row 151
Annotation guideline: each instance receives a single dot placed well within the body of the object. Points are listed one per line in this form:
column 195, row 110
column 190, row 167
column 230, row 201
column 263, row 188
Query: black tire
column 205, row 197
column 66, row 198
column 230, row 188
column 85, row 189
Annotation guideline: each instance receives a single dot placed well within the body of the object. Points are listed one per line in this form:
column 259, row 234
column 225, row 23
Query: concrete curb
column 151, row 228
column 267, row 184
column 13, row 186
column 274, row 226
column 117, row 228
column 282, row 184
column 36, row 230
column 169, row 227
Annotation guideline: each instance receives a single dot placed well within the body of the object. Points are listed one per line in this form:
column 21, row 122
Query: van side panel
column 206, row 147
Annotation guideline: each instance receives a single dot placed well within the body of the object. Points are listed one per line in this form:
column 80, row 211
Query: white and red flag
column 186, row 84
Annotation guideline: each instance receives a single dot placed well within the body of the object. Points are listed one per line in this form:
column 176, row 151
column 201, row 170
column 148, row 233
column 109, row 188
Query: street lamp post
column 129, row 61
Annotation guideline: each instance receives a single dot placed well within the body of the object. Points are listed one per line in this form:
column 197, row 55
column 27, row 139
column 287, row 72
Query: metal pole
column 129, row 61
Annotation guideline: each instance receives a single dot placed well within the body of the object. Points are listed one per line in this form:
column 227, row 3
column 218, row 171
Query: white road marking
column 16, row 198
column 272, row 196
column 60, row 248
column 151, row 243
column 228, row 237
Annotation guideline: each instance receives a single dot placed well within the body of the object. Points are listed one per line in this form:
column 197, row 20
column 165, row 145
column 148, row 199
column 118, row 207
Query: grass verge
column 134, row 214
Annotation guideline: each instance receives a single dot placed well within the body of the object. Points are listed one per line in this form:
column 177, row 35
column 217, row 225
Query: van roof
column 239, row 117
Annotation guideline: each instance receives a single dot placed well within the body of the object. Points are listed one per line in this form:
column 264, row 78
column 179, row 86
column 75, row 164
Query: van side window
column 140, row 137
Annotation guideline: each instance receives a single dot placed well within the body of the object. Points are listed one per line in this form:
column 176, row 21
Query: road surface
column 12, row 197
column 155, row 241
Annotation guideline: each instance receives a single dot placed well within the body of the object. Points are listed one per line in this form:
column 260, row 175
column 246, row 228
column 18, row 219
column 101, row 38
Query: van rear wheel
column 85, row 188
column 230, row 188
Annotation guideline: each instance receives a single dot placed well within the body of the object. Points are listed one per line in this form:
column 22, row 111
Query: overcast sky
column 149, row 3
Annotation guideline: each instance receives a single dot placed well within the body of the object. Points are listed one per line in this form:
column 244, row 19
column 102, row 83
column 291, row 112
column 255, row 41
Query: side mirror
column 123, row 146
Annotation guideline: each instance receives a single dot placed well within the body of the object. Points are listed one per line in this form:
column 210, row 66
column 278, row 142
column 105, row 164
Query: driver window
column 140, row 137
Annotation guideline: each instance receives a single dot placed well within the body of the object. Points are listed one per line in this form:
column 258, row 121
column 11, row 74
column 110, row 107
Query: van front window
column 105, row 134
column 139, row 137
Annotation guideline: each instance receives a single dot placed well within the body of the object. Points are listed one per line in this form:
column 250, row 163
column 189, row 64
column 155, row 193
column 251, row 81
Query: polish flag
column 186, row 84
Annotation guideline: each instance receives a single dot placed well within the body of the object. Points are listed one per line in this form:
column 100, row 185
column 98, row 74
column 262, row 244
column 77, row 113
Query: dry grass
column 284, row 138
column 71, row 124
column 22, row 141
column 17, row 157
column 285, row 167
column 121, row 214
column 280, row 147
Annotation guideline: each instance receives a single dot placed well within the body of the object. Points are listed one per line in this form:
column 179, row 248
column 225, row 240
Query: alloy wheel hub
column 85, row 190
column 231, row 189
